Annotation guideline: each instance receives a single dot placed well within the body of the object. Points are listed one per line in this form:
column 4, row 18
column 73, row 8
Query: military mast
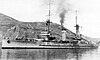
column 48, row 21
column 77, row 28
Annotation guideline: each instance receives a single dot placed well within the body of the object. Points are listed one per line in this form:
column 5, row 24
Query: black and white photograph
column 49, row 29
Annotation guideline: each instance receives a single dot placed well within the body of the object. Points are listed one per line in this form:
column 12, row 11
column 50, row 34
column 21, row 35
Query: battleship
column 46, row 40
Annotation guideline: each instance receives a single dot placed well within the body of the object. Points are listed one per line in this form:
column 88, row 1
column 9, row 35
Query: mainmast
column 77, row 27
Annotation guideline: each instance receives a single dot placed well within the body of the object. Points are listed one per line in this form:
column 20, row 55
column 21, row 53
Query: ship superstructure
column 46, row 40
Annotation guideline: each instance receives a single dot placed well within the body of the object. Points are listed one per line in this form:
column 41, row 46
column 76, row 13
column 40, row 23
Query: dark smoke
column 62, row 16
column 62, row 7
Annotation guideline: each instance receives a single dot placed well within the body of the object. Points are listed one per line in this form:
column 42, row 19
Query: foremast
column 48, row 22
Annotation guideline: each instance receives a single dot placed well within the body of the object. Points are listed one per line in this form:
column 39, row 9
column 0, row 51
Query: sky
column 37, row 10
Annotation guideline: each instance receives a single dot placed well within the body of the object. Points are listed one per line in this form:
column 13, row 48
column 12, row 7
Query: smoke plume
column 62, row 7
column 62, row 16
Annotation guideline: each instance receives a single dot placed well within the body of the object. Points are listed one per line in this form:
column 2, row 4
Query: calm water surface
column 50, row 54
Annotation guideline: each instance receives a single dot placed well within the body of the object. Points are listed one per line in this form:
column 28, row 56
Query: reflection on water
column 49, row 54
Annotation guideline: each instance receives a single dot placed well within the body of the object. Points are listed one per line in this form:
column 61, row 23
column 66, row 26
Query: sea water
column 50, row 54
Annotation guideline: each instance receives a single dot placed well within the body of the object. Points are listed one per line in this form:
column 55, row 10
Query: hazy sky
column 37, row 10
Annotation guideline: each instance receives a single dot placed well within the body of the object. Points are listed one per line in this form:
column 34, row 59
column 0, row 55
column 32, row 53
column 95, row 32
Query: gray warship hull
column 44, row 45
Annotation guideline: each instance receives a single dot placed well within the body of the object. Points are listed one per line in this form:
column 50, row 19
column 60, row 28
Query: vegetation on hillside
column 10, row 27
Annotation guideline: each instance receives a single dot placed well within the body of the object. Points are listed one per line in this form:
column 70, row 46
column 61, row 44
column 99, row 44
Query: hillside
column 94, row 40
column 9, row 28
column 6, row 22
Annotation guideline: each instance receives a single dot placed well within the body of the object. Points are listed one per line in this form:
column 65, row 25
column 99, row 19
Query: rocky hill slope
column 9, row 28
